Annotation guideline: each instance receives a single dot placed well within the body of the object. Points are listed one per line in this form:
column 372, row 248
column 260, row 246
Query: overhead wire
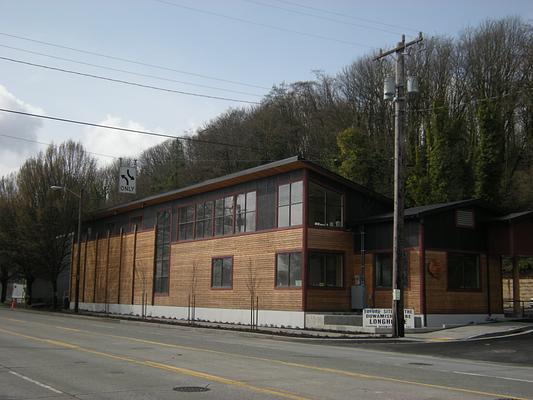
column 50, row 144
column 127, row 60
column 338, row 21
column 118, row 128
column 122, row 81
column 323, row 10
column 127, row 72
column 273, row 27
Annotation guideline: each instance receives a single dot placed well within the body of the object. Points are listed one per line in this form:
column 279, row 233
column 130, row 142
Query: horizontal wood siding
column 332, row 299
column 411, row 293
column 254, row 258
column 440, row 300
column 126, row 273
column 144, row 266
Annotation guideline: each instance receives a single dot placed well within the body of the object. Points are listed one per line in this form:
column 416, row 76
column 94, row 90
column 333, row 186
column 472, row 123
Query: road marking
column 242, row 384
column 154, row 364
column 492, row 376
column 36, row 382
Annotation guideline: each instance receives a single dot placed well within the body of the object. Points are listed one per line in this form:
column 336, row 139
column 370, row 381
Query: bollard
column 13, row 303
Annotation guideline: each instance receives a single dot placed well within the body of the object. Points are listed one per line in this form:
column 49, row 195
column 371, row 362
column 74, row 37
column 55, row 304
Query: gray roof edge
column 244, row 172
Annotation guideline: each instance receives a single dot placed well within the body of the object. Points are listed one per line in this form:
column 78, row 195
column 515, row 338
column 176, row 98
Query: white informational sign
column 127, row 180
column 18, row 291
column 382, row 318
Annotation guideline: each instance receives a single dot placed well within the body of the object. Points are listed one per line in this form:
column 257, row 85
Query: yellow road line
column 166, row 367
column 303, row 366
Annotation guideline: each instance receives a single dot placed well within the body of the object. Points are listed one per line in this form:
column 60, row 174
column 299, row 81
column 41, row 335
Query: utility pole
column 398, row 324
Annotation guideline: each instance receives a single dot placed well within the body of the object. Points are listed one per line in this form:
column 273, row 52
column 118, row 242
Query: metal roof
column 273, row 168
column 514, row 216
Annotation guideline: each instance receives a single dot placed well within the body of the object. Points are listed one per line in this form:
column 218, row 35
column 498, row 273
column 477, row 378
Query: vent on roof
column 464, row 219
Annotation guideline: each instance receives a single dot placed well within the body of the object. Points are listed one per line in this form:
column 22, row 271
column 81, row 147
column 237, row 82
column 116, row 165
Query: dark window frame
column 322, row 252
column 204, row 220
column 221, row 286
column 159, row 256
column 325, row 205
column 192, row 221
column 289, row 286
column 406, row 278
column 290, row 204
column 478, row 288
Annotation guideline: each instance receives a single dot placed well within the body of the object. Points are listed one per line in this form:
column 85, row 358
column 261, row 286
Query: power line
column 118, row 128
column 93, row 53
column 274, row 27
column 50, row 144
column 321, row 17
column 323, row 10
column 128, row 72
column 104, row 78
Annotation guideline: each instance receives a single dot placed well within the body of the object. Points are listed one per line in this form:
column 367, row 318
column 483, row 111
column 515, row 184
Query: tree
column 8, row 224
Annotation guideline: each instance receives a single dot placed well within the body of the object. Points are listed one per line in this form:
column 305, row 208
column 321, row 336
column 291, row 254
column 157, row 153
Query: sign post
column 127, row 180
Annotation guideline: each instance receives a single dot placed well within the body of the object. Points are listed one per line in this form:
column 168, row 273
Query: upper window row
column 220, row 217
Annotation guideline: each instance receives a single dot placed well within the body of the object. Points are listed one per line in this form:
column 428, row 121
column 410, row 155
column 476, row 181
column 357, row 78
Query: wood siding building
column 289, row 238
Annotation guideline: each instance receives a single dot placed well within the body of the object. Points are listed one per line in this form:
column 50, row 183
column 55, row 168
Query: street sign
column 382, row 318
column 127, row 180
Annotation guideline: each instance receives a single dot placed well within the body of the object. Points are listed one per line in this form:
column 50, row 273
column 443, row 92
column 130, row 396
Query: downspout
column 422, row 269
column 362, row 281
column 489, row 311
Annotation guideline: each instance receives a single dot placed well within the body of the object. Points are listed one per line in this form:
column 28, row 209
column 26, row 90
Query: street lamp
column 79, row 196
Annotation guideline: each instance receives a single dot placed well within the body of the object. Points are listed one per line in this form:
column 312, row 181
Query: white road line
column 492, row 376
column 474, row 338
column 36, row 382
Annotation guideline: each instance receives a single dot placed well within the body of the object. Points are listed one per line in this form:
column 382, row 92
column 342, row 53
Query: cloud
column 14, row 151
column 116, row 143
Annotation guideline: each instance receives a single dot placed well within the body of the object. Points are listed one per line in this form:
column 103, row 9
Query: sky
column 233, row 49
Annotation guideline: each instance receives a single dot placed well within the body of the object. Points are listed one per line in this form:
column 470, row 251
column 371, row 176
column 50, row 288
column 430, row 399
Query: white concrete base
column 440, row 320
column 290, row 319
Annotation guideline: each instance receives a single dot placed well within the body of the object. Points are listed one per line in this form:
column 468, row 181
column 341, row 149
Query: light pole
column 79, row 196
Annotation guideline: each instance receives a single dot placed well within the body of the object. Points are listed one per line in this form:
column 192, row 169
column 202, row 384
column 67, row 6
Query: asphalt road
column 55, row 356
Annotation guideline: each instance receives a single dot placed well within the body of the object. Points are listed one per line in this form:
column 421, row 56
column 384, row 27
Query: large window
column 325, row 269
column 245, row 212
column 463, row 271
column 221, row 272
column 290, row 204
column 204, row 219
column 326, row 207
column 162, row 252
column 224, row 209
column 186, row 223
column 289, row 270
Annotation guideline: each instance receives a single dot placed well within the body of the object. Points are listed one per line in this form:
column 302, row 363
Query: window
column 290, row 204
column 186, row 223
column 221, row 272
column 162, row 252
column 224, row 209
column 245, row 212
column 383, row 270
column 463, row 271
column 289, row 270
column 326, row 207
column 325, row 269
column 204, row 220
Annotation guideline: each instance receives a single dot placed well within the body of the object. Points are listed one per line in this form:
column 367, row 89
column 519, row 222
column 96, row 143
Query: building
column 295, row 239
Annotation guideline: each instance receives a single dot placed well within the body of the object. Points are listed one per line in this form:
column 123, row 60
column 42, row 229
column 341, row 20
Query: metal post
column 78, row 261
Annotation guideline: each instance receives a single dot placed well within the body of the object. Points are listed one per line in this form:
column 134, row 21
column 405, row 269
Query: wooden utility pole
column 397, row 245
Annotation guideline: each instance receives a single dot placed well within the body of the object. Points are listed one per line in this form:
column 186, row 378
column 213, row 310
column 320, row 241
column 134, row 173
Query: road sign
column 382, row 317
column 127, row 180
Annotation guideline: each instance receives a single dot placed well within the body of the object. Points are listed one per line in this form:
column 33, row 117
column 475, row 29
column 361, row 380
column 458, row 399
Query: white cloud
column 14, row 151
column 116, row 143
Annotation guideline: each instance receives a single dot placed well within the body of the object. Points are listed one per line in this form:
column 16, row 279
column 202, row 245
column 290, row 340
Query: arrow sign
column 127, row 180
